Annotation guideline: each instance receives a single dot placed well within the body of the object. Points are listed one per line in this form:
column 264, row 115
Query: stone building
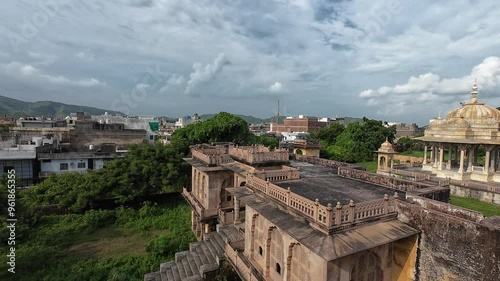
column 300, row 124
column 260, row 216
column 461, row 135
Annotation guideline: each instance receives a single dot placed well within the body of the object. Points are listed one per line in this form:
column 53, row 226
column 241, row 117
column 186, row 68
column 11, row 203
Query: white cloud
column 276, row 87
column 29, row 72
column 176, row 79
column 205, row 74
column 431, row 88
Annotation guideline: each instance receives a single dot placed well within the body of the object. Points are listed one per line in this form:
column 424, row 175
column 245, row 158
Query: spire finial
column 474, row 92
column 439, row 116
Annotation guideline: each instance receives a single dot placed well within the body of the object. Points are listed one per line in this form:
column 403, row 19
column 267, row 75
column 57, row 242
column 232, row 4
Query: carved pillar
column 236, row 210
column 425, row 154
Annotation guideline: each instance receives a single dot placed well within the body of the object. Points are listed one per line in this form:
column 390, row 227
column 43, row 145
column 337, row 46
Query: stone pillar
column 486, row 167
column 392, row 161
column 470, row 156
column 425, row 154
column 441, row 157
column 492, row 163
column 236, row 210
column 432, row 154
column 207, row 228
column 462, row 156
column 448, row 165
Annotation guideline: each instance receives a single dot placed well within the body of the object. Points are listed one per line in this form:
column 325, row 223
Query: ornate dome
column 473, row 110
column 457, row 122
column 439, row 122
column 386, row 147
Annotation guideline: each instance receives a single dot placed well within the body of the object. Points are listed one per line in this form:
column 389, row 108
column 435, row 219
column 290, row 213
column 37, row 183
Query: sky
column 395, row 60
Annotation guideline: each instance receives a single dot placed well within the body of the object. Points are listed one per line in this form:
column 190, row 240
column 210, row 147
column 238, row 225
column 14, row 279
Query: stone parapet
column 326, row 217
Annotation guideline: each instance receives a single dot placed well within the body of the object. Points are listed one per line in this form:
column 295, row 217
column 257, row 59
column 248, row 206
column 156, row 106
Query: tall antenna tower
column 278, row 121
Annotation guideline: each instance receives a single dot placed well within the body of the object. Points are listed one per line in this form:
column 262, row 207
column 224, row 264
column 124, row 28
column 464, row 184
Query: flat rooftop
column 324, row 184
column 330, row 247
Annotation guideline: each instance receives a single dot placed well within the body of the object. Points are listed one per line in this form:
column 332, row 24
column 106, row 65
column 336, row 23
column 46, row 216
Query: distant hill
column 17, row 108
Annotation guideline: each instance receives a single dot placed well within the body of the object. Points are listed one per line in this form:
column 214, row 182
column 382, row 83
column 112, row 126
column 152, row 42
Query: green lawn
column 476, row 205
column 371, row 166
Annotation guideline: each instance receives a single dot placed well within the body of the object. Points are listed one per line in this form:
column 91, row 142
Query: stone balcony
column 198, row 207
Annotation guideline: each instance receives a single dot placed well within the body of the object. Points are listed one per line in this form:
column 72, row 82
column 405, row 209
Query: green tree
column 358, row 142
column 223, row 127
column 328, row 136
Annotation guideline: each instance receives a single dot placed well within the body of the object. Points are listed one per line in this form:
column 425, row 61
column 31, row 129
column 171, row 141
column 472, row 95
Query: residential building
column 300, row 124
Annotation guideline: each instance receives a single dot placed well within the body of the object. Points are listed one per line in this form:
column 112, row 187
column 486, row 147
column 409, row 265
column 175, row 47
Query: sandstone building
column 300, row 124
column 460, row 136
column 267, row 215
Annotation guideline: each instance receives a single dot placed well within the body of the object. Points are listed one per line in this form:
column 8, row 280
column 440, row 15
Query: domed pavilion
column 460, row 135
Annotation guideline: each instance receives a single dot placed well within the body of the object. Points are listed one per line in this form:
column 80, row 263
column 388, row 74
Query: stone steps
column 203, row 256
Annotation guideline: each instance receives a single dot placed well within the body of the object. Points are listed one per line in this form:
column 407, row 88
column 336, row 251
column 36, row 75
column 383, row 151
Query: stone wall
column 451, row 247
column 476, row 193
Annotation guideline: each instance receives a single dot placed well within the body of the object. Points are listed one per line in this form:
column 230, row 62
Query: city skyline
column 386, row 60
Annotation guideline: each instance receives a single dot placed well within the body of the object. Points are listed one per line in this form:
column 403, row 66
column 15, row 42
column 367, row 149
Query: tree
column 328, row 136
column 357, row 142
column 223, row 127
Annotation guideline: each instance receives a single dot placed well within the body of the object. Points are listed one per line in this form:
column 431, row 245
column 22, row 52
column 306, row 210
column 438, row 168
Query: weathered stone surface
column 453, row 248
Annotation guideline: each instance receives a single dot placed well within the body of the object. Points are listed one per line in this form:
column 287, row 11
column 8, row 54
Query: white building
column 80, row 162
column 148, row 123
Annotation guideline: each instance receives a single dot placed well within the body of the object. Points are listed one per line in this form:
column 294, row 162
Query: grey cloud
column 202, row 75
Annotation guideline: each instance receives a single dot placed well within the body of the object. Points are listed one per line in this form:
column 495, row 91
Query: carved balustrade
column 325, row 216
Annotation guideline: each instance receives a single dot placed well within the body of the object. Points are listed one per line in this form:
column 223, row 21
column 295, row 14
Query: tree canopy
column 356, row 142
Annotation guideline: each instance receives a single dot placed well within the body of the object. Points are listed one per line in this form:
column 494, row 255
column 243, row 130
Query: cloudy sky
column 390, row 60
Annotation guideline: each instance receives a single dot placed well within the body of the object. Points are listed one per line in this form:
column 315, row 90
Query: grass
column 371, row 166
column 117, row 245
column 111, row 242
column 413, row 153
column 473, row 204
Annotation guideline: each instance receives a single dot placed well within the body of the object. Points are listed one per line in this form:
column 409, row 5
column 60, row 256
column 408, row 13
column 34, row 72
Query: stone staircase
column 204, row 257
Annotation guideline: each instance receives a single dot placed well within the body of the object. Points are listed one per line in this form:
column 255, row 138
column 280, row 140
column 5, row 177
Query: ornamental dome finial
column 474, row 92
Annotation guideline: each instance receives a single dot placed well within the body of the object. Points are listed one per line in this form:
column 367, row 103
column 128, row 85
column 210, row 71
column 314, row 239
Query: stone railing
column 326, row 217
column 287, row 173
column 416, row 176
column 257, row 154
column 198, row 208
column 211, row 159
column 324, row 162
column 388, row 181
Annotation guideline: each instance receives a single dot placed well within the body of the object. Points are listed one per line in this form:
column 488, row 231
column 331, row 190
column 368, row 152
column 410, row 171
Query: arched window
column 278, row 268
column 260, row 250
